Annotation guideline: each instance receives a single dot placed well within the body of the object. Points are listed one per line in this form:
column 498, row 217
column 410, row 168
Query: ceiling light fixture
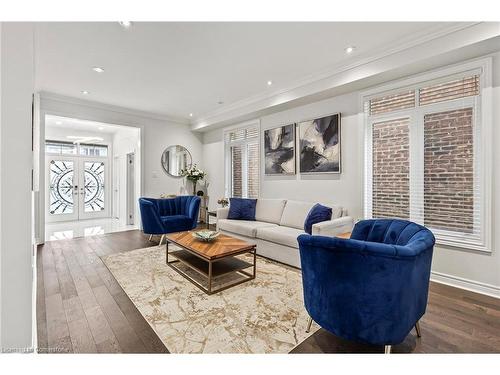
column 269, row 83
column 101, row 127
column 350, row 49
column 125, row 24
column 85, row 92
column 98, row 69
column 220, row 102
column 58, row 122
column 190, row 115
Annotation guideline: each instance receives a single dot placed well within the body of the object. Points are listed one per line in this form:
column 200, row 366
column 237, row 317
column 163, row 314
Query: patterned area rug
column 265, row 315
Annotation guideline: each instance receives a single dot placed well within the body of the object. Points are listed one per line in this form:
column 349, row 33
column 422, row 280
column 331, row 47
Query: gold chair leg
column 150, row 237
column 417, row 328
column 387, row 349
column 161, row 240
column 309, row 323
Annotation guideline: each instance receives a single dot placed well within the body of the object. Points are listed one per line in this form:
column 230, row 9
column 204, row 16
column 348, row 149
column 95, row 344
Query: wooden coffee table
column 211, row 260
column 345, row 235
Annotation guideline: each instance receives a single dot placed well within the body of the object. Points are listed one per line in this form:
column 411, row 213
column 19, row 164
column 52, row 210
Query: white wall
column 156, row 135
column 469, row 269
column 16, row 161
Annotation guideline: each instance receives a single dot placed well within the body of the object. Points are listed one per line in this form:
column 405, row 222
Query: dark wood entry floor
column 81, row 308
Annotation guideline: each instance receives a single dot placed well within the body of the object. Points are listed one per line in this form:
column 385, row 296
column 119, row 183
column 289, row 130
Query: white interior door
column 116, row 187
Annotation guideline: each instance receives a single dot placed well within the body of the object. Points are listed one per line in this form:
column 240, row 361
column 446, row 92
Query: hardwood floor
column 82, row 309
column 80, row 306
column 456, row 321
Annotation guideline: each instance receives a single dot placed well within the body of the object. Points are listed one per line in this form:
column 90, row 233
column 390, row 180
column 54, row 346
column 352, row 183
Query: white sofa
column 278, row 223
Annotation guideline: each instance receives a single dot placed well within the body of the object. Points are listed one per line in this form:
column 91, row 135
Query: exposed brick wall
column 448, row 170
column 391, row 177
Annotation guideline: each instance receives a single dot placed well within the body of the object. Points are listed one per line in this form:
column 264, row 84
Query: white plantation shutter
column 242, row 161
column 423, row 160
column 236, row 171
column 253, row 170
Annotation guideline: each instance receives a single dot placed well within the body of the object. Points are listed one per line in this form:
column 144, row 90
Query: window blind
column 392, row 102
column 455, row 89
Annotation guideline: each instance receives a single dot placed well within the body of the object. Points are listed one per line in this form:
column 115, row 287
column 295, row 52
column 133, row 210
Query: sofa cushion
column 269, row 210
column 244, row 227
column 281, row 235
column 242, row 209
column 295, row 213
column 337, row 211
column 318, row 214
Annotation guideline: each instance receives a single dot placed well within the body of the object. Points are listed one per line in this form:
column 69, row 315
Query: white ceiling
column 66, row 123
column 179, row 68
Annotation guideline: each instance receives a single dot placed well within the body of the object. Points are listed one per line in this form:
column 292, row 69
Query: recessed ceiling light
column 58, row 122
column 269, row 83
column 190, row 115
column 85, row 92
column 125, row 24
column 220, row 102
column 101, row 127
column 98, row 69
column 350, row 49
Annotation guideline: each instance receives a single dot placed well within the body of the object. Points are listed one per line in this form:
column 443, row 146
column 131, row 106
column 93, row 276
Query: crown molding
column 45, row 95
column 343, row 74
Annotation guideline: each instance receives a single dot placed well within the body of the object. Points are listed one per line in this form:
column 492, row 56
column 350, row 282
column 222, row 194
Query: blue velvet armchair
column 371, row 288
column 162, row 216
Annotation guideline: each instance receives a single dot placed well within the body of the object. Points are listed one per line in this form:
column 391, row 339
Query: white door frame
column 63, row 107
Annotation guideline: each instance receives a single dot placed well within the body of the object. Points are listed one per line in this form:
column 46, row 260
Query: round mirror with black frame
column 174, row 159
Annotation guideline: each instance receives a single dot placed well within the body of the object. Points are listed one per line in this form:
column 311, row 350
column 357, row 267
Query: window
column 70, row 148
column 426, row 147
column 242, row 161
column 60, row 148
column 391, row 167
column 93, row 150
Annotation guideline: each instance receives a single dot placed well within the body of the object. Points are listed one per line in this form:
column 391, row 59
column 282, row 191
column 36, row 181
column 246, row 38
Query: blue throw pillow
column 317, row 214
column 242, row 209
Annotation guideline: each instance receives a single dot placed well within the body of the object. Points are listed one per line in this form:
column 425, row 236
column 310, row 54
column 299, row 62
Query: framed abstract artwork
column 319, row 145
column 279, row 150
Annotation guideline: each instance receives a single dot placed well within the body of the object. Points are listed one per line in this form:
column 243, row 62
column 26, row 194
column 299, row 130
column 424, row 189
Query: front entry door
column 77, row 188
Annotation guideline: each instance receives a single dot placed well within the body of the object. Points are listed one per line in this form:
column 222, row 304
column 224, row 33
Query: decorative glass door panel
column 77, row 188
column 94, row 187
column 62, row 191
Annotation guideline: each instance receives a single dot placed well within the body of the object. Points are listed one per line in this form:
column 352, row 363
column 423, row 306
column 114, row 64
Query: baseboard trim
column 467, row 284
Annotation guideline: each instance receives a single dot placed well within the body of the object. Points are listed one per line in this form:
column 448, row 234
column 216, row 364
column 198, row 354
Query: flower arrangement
column 193, row 174
column 223, row 202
